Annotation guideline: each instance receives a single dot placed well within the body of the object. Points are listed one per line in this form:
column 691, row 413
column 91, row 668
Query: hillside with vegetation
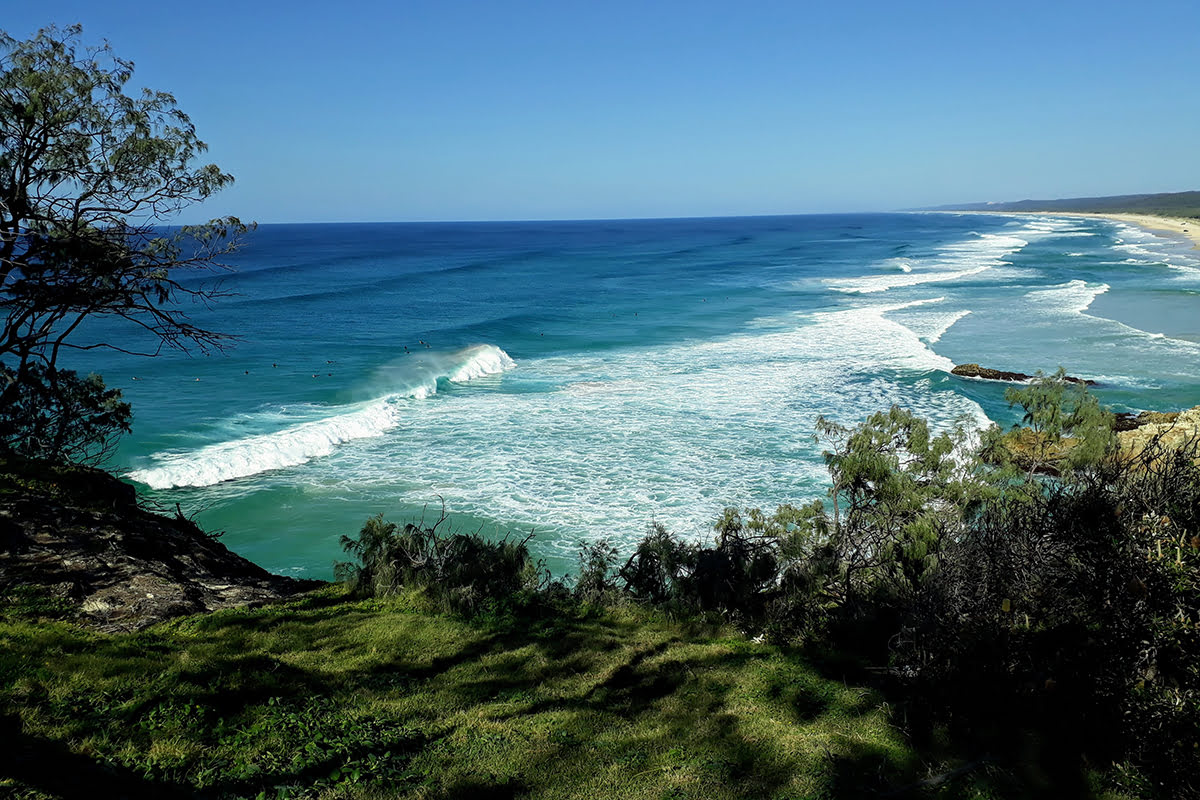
column 953, row 621
column 1010, row 615
column 1171, row 204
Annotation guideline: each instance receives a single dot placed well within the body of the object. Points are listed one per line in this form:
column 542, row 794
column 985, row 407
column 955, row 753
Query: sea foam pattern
column 667, row 433
column 300, row 443
column 977, row 254
column 667, row 368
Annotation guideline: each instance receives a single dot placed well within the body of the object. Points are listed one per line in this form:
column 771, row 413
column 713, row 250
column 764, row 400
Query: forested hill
column 1172, row 204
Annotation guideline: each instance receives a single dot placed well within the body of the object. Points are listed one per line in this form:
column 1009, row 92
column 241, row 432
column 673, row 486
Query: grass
column 327, row 697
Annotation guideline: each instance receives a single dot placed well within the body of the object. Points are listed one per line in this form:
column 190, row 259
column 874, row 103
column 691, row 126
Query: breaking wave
column 305, row 441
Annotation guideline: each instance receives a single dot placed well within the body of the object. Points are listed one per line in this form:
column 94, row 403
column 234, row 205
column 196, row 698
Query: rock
column 986, row 373
column 1131, row 422
column 1169, row 431
column 119, row 565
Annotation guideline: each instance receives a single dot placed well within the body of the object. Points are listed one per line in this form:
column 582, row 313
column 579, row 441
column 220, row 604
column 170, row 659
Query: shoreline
column 1181, row 226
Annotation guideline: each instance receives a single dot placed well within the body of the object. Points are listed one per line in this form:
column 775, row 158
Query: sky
column 453, row 110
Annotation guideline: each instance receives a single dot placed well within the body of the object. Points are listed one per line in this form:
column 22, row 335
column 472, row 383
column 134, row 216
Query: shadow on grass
column 975, row 739
column 519, row 710
column 51, row 767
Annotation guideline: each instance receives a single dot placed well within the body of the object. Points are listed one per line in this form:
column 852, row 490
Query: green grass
column 326, row 697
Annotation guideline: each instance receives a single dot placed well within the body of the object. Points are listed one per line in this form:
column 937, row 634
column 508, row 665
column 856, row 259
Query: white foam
column 1076, row 297
column 670, row 433
column 1072, row 297
column 881, row 283
column 302, row 442
column 944, row 324
column 483, row 360
column 252, row 455
column 977, row 254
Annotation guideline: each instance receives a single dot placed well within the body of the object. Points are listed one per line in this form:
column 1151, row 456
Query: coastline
column 1180, row 226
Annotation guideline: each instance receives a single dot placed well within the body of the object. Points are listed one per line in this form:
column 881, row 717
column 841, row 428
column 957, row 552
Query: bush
column 458, row 572
column 596, row 561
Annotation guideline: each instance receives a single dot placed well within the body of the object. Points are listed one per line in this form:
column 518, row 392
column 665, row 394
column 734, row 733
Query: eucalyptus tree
column 91, row 176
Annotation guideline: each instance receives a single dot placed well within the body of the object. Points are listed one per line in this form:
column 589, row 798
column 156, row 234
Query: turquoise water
column 581, row 379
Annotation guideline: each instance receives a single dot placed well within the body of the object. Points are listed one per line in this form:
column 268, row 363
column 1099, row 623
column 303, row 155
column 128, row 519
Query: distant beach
column 1183, row 226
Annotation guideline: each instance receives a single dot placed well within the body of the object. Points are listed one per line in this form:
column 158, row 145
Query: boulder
column 1169, row 431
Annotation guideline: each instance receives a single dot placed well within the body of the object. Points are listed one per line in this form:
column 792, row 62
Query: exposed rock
column 83, row 538
column 1169, row 431
column 976, row 371
column 1131, row 422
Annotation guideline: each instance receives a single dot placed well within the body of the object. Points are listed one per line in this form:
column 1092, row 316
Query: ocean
column 580, row 380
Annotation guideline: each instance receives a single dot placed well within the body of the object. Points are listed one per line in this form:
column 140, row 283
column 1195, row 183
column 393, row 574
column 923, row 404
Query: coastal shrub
column 734, row 576
column 458, row 572
column 56, row 415
column 1062, row 623
column 1063, row 428
column 660, row 562
column 597, row 581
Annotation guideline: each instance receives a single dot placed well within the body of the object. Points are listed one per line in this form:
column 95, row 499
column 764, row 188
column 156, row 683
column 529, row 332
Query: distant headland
column 1176, row 212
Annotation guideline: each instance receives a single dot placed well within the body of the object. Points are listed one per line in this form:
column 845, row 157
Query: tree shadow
column 51, row 767
column 618, row 696
column 975, row 738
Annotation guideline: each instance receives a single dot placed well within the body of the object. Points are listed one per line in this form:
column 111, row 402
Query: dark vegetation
column 90, row 173
column 1045, row 624
column 1170, row 204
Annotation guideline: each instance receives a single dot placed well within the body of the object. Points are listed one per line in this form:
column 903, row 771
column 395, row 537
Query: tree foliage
column 1063, row 429
column 57, row 415
column 89, row 176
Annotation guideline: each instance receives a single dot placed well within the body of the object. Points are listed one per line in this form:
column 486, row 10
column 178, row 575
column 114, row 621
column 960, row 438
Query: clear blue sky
column 415, row 110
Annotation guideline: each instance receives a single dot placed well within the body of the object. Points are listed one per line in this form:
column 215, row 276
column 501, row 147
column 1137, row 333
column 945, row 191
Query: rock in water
column 986, row 373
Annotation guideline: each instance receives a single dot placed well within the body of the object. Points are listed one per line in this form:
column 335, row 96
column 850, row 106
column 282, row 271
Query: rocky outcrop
column 1130, row 422
column 1169, row 431
column 79, row 535
column 986, row 373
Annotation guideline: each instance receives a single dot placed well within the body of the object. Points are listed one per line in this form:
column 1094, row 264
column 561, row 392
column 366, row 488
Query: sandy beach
column 1180, row 226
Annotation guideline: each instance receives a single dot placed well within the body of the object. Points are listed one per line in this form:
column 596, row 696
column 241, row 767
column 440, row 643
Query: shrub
column 458, row 572
column 596, row 582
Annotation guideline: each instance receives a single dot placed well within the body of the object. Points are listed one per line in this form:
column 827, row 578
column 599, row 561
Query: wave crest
column 300, row 443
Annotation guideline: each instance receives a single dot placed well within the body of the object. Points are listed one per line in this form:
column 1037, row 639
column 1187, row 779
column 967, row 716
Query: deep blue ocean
column 582, row 379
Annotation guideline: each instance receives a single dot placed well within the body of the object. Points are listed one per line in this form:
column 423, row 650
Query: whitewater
column 581, row 380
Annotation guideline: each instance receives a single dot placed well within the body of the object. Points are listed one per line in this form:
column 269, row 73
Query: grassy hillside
column 1174, row 204
column 324, row 697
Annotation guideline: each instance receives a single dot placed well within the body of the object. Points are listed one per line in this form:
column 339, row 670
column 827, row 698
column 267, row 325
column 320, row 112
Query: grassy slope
column 327, row 697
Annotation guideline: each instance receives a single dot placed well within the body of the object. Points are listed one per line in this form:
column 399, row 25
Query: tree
column 89, row 177
column 1063, row 428
column 898, row 492
column 56, row 415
